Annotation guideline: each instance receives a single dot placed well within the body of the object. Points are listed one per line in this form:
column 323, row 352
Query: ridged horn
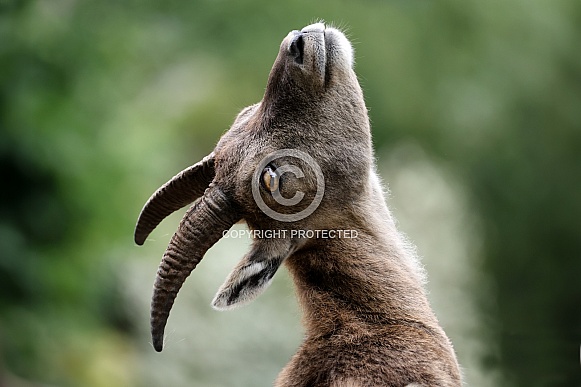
column 202, row 226
column 181, row 190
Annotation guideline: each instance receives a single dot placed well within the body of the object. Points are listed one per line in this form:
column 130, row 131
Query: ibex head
column 307, row 141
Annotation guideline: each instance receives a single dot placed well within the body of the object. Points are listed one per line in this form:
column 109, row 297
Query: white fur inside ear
column 244, row 284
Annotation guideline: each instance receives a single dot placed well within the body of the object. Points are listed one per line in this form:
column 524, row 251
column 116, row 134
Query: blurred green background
column 476, row 116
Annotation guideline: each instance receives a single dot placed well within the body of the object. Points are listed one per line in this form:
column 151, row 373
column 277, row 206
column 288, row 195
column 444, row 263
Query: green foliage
column 101, row 101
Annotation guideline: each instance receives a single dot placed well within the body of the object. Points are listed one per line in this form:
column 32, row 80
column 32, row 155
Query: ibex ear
column 253, row 274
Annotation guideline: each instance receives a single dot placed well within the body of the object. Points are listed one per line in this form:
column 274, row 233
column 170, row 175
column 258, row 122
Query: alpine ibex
column 366, row 315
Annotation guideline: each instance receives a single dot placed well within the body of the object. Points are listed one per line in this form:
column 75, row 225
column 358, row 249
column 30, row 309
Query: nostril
column 296, row 48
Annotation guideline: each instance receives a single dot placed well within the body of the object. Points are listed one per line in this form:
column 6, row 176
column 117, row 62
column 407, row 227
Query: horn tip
column 139, row 238
column 157, row 330
column 158, row 343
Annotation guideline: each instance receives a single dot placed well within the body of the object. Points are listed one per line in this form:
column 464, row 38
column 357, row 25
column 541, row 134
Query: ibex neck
column 355, row 284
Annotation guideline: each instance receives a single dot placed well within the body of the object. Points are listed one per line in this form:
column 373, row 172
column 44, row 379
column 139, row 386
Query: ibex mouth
column 322, row 50
column 310, row 43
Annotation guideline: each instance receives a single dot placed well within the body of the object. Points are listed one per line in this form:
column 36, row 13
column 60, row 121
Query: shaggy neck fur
column 363, row 303
column 345, row 283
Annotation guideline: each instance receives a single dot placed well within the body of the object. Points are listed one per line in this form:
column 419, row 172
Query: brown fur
column 366, row 315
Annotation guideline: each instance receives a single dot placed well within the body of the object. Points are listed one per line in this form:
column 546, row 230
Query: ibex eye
column 269, row 179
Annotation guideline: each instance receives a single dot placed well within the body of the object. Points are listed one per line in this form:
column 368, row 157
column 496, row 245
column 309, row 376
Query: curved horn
column 201, row 227
column 181, row 190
